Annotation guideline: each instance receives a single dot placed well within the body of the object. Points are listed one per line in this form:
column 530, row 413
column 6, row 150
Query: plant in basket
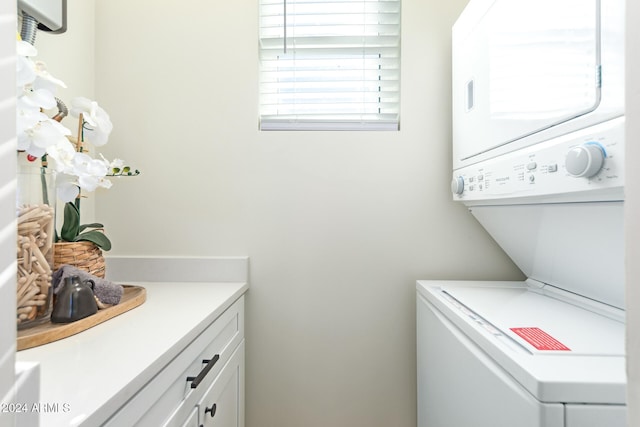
column 49, row 146
column 79, row 244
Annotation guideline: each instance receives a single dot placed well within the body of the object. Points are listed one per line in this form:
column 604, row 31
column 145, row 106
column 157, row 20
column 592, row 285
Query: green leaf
column 96, row 237
column 92, row 225
column 71, row 224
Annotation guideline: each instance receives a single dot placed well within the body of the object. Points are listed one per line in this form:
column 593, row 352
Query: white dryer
column 538, row 145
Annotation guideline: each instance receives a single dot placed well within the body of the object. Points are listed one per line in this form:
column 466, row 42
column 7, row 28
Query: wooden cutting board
column 132, row 297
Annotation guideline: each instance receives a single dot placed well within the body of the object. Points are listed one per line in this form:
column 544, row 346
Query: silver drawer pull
column 195, row 381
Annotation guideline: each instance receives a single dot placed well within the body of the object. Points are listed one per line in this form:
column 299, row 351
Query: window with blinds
column 329, row 65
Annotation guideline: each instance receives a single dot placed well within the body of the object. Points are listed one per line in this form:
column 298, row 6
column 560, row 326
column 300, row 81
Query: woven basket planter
column 82, row 255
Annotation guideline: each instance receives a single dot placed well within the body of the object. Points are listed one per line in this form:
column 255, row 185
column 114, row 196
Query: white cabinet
column 223, row 403
column 192, row 419
column 208, row 371
column 144, row 358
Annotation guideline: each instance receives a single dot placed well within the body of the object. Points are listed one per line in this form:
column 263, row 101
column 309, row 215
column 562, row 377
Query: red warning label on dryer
column 540, row 339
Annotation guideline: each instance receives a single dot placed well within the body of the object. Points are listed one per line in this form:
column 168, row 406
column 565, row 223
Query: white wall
column 70, row 56
column 338, row 225
column 632, row 210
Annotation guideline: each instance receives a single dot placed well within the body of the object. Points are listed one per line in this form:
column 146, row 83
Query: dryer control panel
column 587, row 165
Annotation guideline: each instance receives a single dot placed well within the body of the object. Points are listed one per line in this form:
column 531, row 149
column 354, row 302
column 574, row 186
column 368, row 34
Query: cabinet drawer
column 192, row 419
column 223, row 403
column 169, row 397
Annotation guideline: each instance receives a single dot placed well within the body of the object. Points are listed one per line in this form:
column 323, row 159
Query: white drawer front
column 192, row 420
column 169, row 397
column 223, row 404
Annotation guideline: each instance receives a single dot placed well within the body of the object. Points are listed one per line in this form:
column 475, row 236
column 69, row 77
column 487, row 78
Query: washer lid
column 558, row 346
column 541, row 324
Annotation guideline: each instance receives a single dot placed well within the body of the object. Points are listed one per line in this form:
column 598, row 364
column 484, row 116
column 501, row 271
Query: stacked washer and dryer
column 538, row 146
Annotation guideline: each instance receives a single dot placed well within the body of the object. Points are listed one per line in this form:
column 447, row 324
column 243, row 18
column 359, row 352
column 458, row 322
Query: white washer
column 507, row 354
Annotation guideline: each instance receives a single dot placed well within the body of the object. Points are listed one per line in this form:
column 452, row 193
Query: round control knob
column 457, row 185
column 585, row 160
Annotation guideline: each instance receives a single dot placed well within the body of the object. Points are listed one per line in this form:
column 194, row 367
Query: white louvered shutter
column 329, row 65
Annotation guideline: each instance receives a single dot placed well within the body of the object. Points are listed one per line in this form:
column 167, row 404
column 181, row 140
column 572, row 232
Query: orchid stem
column 43, row 180
column 80, row 126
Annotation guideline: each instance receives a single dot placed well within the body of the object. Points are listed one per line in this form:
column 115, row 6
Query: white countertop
column 86, row 377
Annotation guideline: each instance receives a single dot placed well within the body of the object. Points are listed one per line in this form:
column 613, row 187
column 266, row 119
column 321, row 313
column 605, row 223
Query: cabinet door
column 192, row 420
column 223, row 404
column 168, row 398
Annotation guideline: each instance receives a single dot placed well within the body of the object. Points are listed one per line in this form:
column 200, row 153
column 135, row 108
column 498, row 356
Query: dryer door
column 520, row 67
column 460, row 385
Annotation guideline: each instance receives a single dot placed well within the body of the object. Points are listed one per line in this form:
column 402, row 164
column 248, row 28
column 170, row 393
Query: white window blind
column 329, row 65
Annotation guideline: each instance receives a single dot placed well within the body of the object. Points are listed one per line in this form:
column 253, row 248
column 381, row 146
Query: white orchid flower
column 85, row 164
column 25, row 66
column 96, row 117
column 67, row 187
column 33, row 77
column 104, row 183
column 25, row 72
column 28, row 117
column 35, row 131
column 37, row 139
column 90, row 172
column 63, row 154
column 115, row 164
column 40, row 98
column 24, row 48
column 45, row 79
column 96, row 137
column 38, row 135
column 79, row 171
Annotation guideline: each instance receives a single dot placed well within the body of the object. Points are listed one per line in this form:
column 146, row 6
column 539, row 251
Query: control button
column 471, row 179
column 552, row 168
column 532, row 178
column 471, row 188
column 531, row 166
column 480, row 187
column 457, row 185
column 480, row 177
column 585, row 160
